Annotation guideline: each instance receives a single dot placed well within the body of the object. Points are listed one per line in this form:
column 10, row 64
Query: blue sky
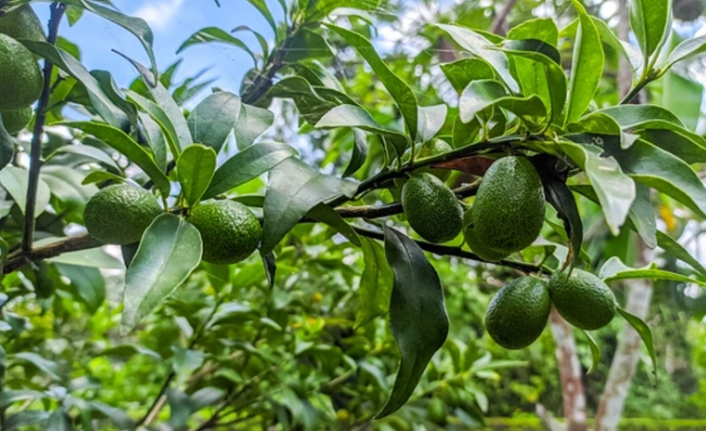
column 172, row 22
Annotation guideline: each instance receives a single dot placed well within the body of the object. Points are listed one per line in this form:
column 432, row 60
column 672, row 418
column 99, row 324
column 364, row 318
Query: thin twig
column 35, row 163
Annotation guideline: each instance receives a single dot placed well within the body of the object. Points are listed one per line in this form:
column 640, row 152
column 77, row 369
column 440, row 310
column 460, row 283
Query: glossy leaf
column 252, row 122
column 543, row 29
column 595, row 352
column 645, row 334
column 673, row 248
column 587, row 66
column 642, row 214
column 481, row 47
column 246, row 165
column 7, row 147
column 155, row 138
column 651, row 23
column 213, row 120
column 615, row 270
column 88, row 152
column 400, row 90
column 97, row 177
column 462, row 72
column 124, row 144
column 16, row 180
column 326, row 214
column 360, row 153
column 680, row 144
column 357, row 117
column 633, row 116
column 88, row 283
column 307, row 45
column 615, row 190
column 311, row 106
column 375, row 283
column 195, row 168
column 293, row 190
column 261, row 6
column 215, row 34
column 170, row 249
column 682, row 96
column 481, row 95
column 431, row 120
column 157, row 114
column 418, row 316
column 687, row 49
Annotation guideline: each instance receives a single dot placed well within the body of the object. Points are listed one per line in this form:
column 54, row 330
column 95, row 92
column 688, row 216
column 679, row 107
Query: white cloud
column 160, row 14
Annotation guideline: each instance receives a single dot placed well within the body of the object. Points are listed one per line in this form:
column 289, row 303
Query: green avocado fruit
column 469, row 233
column 23, row 23
column 508, row 212
column 230, row 231
column 432, row 209
column 14, row 120
column 518, row 313
column 20, row 78
column 120, row 214
column 583, row 299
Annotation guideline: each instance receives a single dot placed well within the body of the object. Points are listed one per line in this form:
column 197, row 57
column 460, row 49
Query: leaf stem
column 57, row 12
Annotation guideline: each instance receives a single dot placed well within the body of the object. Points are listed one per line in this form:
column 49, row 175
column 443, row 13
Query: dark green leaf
column 636, row 116
column 101, row 177
column 158, row 116
column 645, row 334
column 326, row 214
column 88, row 283
column 595, row 352
column 642, row 214
column 306, row 45
column 360, row 153
column 45, row 365
column 213, row 120
column 195, row 169
column 543, row 29
column 124, row 144
column 7, row 147
column 270, row 264
column 417, row 314
column 615, row 270
column 400, row 90
column 215, row 34
column 170, row 249
column 651, row 23
column 293, row 189
column 462, row 72
column 88, row 152
column 357, row 117
column 59, row 421
column 117, row 416
column 587, row 66
column 260, row 39
column 673, row 248
column 310, row 105
column 680, row 144
column 252, row 123
column 248, row 164
column 261, row 6
column 375, row 283
column 111, row 90
column 153, row 132
column 483, row 94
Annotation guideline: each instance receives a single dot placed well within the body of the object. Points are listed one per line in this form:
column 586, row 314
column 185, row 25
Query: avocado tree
column 206, row 209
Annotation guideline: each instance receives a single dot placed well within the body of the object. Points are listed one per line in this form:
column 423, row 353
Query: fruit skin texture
column 119, row 214
column 583, row 299
column 469, row 234
column 508, row 212
column 432, row 208
column 23, row 23
column 229, row 230
column 20, row 78
column 518, row 313
column 15, row 120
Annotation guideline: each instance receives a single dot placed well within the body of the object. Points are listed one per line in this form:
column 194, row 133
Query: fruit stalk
column 57, row 13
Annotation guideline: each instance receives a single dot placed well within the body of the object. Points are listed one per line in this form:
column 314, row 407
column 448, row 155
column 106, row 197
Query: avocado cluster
column 518, row 313
column 21, row 80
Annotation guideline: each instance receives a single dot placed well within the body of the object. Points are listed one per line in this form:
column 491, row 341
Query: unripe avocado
column 518, row 313
column 229, row 230
column 15, row 120
column 432, row 209
column 120, row 214
column 583, row 299
column 508, row 212
column 20, row 78
column 23, row 23
column 436, row 411
column 469, row 234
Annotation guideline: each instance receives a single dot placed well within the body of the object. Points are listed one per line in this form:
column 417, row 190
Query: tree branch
column 500, row 20
column 35, row 163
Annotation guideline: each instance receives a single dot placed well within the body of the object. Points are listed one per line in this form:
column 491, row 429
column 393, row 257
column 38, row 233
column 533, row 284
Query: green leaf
column 651, row 22
column 215, row 34
column 595, row 352
column 608, row 37
column 88, row 283
column 680, row 144
column 375, row 283
column 543, row 29
column 483, row 94
column 642, row 214
column 326, row 214
column 16, row 181
column 157, row 114
column 687, row 49
column 310, row 104
column 673, row 248
column 260, row 39
column 462, row 72
column 213, row 120
column 155, row 139
column 417, row 315
column 293, row 189
column 59, row 421
column 170, row 249
column 136, row 26
column 252, row 123
column 306, row 45
column 7, row 146
column 615, row 270
column 124, row 144
column 195, row 169
column 261, row 6
column 246, row 165
column 357, row 117
column 100, row 101
column 398, row 88
column 645, row 334
column 111, row 89
column 662, row 171
column 481, row 47
column 51, row 368
column 682, row 96
column 88, row 152
column 101, row 177
column 587, row 66
column 117, row 416
column 431, row 120
column 637, row 116
column 615, row 190
column 360, row 153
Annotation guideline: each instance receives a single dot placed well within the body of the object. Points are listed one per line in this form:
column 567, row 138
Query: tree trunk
column 624, row 68
column 570, row 373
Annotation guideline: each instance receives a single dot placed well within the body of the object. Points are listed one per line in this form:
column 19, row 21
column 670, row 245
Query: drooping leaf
column 159, row 117
column 645, row 334
column 170, row 249
column 595, row 352
column 51, row 368
column 614, row 270
column 360, row 153
column 400, row 90
column 483, row 94
column 651, row 23
column 608, row 37
column 615, row 190
column 59, row 421
column 417, row 314
column 306, row 45
column 261, row 6
column 357, row 117
column 124, row 144
column 215, row 34
column 642, row 215
column 213, row 120
column 587, row 66
column 195, row 169
column 264, row 46
column 252, row 122
column 88, row 152
column 7, row 147
column 375, row 283
column 293, row 189
column 687, row 49
column 155, row 138
column 431, row 120
column 310, row 104
column 326, row 214
column 462, row 72
column 88, row 283
column 682, row 96
column 246, row 165
column 16, row 181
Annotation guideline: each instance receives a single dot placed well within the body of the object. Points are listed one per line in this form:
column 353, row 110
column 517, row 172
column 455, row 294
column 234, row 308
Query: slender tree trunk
column 624, row 68
column 570, row 373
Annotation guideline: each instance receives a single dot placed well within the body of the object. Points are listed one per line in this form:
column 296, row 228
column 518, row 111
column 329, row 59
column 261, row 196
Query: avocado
column 432, row 209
